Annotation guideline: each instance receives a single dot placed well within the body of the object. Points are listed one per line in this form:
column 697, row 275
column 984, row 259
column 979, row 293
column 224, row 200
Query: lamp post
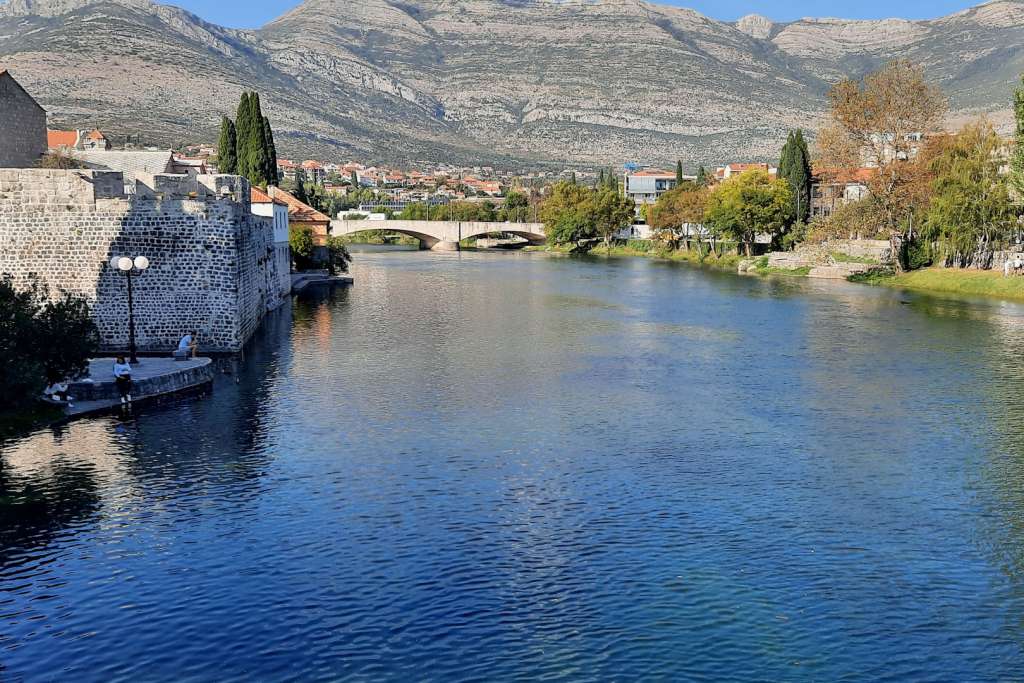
column 130, row 268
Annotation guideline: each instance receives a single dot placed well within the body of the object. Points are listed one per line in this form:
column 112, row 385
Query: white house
column 277, row 211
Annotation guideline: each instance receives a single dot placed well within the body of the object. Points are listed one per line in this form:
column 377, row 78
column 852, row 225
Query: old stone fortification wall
column 22, row 126
column 213, row 264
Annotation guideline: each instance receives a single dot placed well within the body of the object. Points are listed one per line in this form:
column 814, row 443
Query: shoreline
column 987, row 284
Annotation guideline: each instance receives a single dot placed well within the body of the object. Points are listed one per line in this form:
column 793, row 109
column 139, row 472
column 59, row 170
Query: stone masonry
column 22, row 125
column 213, row 265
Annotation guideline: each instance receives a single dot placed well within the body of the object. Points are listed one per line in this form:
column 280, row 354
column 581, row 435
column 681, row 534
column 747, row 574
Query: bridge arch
column 440, row 235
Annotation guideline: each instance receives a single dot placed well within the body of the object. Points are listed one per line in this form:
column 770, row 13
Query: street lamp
column 130, row 268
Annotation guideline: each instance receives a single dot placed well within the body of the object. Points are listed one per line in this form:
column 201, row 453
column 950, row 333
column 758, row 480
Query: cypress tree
column 258, row 144
column 227, row 155
column 802, row 176
column 702, row 177
column 613, row 181
column 300, row 186
column 1017, row 161
column 679, row 173
column 601, row 181
column 268, row 135
column 243, row 135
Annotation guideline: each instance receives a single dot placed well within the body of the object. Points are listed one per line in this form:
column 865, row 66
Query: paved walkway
column 151, row 377
column 101, row 369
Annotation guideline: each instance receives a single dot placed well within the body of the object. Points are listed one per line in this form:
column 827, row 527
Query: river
column 511, row 466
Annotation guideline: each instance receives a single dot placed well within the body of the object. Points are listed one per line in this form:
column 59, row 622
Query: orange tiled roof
column 258, row 196
column 309, row 163
column 298, row 211
column 96, row 135
column 61, row 138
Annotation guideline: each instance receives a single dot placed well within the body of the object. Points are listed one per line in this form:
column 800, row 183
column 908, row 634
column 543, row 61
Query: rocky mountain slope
column 586, row 81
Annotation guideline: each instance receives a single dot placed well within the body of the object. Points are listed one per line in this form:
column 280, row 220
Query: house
column 730, row 170
column 645, row 186
column 94, row 140
column 286, row 169
column 23, row 127
column 276, row 210
column 302, row 215
column 314, row 171
column 833, row 188
column 69, row 140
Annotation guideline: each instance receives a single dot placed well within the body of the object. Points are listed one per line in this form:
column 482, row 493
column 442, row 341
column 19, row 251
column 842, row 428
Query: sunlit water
column 507, row 466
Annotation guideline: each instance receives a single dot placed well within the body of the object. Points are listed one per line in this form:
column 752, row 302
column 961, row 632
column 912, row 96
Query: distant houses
column 67, row 141
column 22, row 125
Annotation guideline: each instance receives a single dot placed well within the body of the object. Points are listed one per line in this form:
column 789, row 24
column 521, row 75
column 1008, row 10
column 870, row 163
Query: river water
column 509, row 466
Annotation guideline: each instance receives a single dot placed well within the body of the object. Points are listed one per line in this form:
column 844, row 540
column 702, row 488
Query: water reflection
column 507, row 466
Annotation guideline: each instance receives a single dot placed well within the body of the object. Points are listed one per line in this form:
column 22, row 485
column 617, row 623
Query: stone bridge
column 441, row 235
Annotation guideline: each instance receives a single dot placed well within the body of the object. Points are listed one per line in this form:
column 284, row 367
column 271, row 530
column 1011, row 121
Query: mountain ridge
column 584, row 81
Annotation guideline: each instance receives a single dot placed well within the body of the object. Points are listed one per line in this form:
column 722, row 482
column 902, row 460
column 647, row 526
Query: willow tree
column 1017, row 161
column 970, row 212
column 879, row 122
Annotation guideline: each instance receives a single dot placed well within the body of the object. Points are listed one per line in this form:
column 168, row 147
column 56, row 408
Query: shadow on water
column 52, row 480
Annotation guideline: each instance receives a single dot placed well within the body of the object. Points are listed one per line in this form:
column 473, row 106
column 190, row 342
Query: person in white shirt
column 189, row 342
column 58, row 391
column 123, row 379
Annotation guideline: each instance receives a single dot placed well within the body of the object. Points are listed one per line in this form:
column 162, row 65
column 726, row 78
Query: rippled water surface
column 507, row 466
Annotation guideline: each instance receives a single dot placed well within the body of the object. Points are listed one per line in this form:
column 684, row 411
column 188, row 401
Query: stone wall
column 214, row 266
column 22, row 126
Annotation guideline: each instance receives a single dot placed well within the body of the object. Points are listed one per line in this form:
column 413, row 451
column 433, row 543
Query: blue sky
column 254, row 13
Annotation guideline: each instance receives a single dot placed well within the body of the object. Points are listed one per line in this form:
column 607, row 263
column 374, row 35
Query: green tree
column 300, row 186
column 259, row 162
column 516, row 207
column 970, row 212
column 268, row 136
column 227, row 152
column 679, row 173
column 703, row 179
column 303, row 247
column 610, row 213
column 795, row 168
column 748, row 205
column 1017, row 161
column 338, row 258
column 566, row 214
column 243, row 137
column 42, row 339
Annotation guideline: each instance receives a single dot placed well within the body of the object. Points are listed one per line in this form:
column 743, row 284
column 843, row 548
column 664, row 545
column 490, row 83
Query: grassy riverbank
column 988, row 283
column 651, row 250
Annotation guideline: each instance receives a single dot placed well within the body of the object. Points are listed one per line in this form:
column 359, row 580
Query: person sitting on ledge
column 123, row 379
column 190, row 343
column 58, row 391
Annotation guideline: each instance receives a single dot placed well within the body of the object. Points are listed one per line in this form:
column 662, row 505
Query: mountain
column 501, row 81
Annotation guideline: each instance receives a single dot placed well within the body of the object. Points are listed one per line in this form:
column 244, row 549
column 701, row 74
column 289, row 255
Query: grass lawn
column 953, row 281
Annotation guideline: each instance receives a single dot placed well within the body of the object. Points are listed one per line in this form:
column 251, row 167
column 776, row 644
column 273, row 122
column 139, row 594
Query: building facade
column 22, row 125
column 276, row 211
column 212, row 261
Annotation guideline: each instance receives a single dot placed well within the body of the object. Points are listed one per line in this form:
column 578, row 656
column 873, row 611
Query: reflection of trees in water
column 185, row 450
column 36, row 506
column 1001, row 470
column 219, row 440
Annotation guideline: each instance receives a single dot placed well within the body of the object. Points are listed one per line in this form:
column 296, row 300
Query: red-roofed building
column 302, row 215
column 646, row 185
column 314, row 171
column 61, row 140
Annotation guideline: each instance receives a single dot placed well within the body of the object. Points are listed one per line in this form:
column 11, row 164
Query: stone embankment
column 831, row 260
column 151, row 378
